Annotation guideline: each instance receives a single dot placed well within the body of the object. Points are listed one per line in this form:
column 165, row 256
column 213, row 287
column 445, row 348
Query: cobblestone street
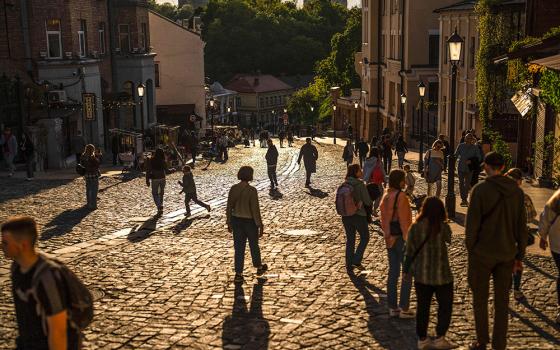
column 168, row 283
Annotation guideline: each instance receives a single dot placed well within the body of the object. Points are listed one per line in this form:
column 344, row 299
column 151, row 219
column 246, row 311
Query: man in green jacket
column 496, row 238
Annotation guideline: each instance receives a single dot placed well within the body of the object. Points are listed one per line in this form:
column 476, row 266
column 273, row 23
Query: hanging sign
column 88, row 101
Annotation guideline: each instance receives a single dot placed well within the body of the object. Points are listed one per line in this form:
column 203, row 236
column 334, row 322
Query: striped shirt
column 431, row 265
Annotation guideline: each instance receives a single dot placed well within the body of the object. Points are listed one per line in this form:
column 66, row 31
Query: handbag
column 394, row 225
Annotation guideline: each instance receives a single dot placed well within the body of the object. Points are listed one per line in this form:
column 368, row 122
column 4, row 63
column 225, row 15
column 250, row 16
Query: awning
column 552, row 62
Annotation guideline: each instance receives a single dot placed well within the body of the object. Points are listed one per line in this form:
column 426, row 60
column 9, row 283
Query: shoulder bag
column 394, row 225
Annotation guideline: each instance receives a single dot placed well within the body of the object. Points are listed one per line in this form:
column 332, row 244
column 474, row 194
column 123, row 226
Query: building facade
column 225, row 108
column 261, row 99
column 179, row 73
column 80, row 62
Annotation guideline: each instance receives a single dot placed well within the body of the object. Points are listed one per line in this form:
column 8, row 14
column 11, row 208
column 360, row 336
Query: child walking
column 410, row 181
column 189, row 188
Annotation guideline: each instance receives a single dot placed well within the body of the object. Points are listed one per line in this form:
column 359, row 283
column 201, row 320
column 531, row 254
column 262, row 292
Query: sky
column 350, row 2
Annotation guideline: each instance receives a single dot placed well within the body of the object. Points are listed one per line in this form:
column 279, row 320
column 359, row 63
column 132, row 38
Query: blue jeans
column 396, row 255
column 158, row 188
column 351, row 225
column 245, row 230
column 92, row 187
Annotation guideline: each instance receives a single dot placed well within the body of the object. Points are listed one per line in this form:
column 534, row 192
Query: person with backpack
column 374, row 176
column 396, row 218
column 90, row 161
column 351, row 197
column 465, row 153
column 362, row 150
column 155, row 173
column 433, row 167
column 348, row 153
column 401, row 150
column 271, row 163
column 549, row 230
column 427, row 260
column 243, row 217
column 310, row 155
column 52, row 305
column 496, row 238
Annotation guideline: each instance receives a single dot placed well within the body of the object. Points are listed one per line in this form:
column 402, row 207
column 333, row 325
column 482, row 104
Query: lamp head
column 421, row 89
column 334, row 107
column 403, row 98
column 211, row 103
column 455, row 44
column 141, row 90
column 356, row 104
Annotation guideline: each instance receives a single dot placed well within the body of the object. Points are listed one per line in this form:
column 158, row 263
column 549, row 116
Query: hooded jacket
column 496, row 224
column 360, row 193
column 369, row 165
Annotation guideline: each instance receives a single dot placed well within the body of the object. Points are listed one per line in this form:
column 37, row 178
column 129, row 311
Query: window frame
column 102, row 39
column 127, row 36
column 53, row 32
column 157, row 74
column 82, row 39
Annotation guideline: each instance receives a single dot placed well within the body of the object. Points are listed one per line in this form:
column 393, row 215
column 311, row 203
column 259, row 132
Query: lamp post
column 229, row 115
column 455, row 44
column 356, row 105
column 212, row 103
column 141, row 91
column 403, row 102
column 334, row 124
column 421, row 92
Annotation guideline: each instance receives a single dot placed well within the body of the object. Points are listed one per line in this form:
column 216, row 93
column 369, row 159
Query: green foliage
column 246, row 36
column 171, row 11
column 547, row 151
column 301, row 101
column 500, row 146
column 550, row 88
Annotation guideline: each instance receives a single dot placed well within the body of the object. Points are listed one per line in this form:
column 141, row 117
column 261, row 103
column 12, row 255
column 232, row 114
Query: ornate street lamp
column 212, row 103
column 141, row 90
column 356, row 105
column 422, row 93
column 334, row 124
column 403, row 102
column 455, row 44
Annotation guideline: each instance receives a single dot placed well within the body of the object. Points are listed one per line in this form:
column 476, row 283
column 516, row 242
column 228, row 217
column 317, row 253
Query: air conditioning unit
column 57, row 96
column 68, row 55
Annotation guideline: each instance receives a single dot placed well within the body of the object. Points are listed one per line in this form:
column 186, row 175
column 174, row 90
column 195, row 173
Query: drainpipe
column 25, row 31
column 114, row 87
column 402, row 71
column 379, row 80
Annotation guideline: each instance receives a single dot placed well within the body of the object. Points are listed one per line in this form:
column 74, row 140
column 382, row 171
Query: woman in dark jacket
column 157, row 167
column 28, row 150
column 90, row 161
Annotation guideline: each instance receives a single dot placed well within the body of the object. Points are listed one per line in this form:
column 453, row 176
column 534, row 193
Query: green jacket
column 360, row 194
column 496, row 224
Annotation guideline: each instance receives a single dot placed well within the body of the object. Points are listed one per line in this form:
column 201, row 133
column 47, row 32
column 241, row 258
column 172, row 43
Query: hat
column 494, row 159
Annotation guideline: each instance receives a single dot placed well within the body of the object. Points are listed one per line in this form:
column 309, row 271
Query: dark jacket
column 310, row 155
column 271, row 155
column 363, row 148
column 400, row 146
column 155, row 170
column 496, row 224
column 188, row 183
column 91, row 163
column 27, row 148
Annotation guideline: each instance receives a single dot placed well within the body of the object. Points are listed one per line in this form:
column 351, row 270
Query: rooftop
column 468, row 5
column 256, row 83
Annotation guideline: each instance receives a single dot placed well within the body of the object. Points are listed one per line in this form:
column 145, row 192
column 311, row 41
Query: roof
column 468, row 5
column 172, row 22
column 544, row 48
column 217, row 89
column 256, row 83
column 298, row 81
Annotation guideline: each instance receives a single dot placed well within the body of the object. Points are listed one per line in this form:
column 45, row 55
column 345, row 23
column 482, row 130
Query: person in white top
column 433, row 167
column 549, row 230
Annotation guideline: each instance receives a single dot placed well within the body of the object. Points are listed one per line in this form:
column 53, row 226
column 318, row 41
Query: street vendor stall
column 130, row 147
column 166, row 137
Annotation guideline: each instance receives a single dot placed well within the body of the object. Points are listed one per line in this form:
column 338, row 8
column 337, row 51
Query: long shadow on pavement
column 144, row 230
column 546, row 335
column 14, row 188
column 380, row 326
column 186, row 223
column 64, row 222
column 315, row 192
column 246, row 328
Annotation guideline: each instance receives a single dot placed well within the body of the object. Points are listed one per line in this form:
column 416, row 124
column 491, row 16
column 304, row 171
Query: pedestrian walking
column 466, row 153
column 433, row 167
column 400, row 150
column 427, row 260
column 115, row 148
column 387, row 153
column 28, row 150
column 281, row 137
column 517, row 175
column 348, row 153
column 290, row 137
column 310, row 155
column 155, row 173
column 349, row 132
column 374, row 176
column 475, row 165
column 271, row 163
column 549, row 230
column 410, row 181
column 90, row 160
column 189, row 189
column 78, row 145
column 362, row 149
column 244, row 221
column 224, row 144
column 446, row 150
column 496, row 238
column 9, row 145
column 374, row 143
column 351, row 197
column 396, row 218
column 52, row 305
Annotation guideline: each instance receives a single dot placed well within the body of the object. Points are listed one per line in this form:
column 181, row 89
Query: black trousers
column 444, row 297
column 387, row 160
column 308, row 177
column 272, row 175
column 192, row 197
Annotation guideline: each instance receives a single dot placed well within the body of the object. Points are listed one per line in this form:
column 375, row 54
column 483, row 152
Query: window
column 365, row 4
column 124, row 37
column 101, row 31
column 433, row 50
column 392, row 46
column 54, row 40
column 433, row 94
column 463, row 55
column 82, row 38
column 156, row 74
column 262, row 101
column 382, row 91
column 383, row 48
column 144, row 36
column 445, row 50
column 472, row 52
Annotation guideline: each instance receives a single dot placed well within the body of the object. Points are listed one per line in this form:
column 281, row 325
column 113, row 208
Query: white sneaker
column 443, row 343
column 394, row 312
column 424, row 344
column 407, row 314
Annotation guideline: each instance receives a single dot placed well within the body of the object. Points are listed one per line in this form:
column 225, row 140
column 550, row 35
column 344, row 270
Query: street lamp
column 212, row 103
column 229, row 115
column 422, row 93
column 455, row 44
column 141, row 90
column 403, row 102
column 356, row 105
column 334, row 123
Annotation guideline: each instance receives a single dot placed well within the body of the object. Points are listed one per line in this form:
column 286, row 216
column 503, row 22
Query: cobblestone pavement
column 169, row 283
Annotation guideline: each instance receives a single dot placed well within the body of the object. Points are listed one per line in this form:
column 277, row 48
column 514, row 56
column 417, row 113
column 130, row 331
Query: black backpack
column 79, row 299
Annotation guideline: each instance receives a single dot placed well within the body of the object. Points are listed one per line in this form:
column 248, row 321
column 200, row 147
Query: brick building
column 63, row 49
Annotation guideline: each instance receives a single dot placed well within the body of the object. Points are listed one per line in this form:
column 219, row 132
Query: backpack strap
column 395, row 206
